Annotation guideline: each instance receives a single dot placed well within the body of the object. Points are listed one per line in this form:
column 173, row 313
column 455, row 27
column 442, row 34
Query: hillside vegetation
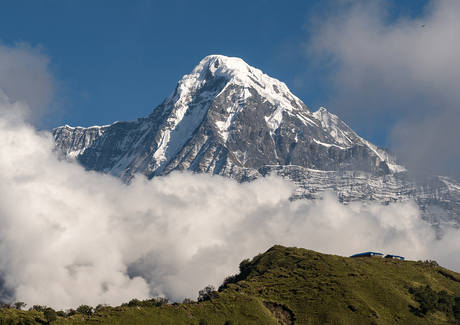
column 296, row 286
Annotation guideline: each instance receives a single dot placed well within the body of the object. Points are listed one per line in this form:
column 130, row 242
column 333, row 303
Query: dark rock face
column 229, row 119
column 73, row 141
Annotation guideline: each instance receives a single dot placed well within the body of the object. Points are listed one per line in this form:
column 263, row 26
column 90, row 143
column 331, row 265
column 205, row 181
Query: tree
column 50, row 314
column 161, row 301
column 19, row 305
column 5, row 305
column 70, row 312
column 100, row 307
column 208, row 293
column 227, row 281
column 39, row 308
column 61, row 313
column 135, row 303
column 85, row 310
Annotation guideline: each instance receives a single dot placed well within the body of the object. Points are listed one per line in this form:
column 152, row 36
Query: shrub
column 100, row 307
column 161, row 301
column 85, row 310
column 61, row 313
column 28, row 320
column 431, row 300
column 50, row 314
column 208, row 293
column 19, row 305
column 71, row 312
column 227, row 281
column 430, row 262
column 245, row 265
column 39, row 308
column 134, row 303
column 141, row 303
column 426, row 297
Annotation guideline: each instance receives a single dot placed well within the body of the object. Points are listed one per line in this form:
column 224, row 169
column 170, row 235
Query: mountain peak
column 227, row 118
column 230, row 67
column 216, row 73
column 236, row 69
column 230, row 119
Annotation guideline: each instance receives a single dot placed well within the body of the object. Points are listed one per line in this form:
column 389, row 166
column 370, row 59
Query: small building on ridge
column 396, row 257
column 368, row 254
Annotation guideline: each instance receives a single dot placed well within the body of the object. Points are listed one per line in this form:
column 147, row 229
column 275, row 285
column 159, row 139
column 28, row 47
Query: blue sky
column 118, row 60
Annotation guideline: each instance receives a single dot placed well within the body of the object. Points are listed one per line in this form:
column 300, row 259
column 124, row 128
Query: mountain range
column 230, row 119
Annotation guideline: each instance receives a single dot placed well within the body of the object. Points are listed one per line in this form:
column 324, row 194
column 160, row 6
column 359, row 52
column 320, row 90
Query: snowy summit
column 230, row 119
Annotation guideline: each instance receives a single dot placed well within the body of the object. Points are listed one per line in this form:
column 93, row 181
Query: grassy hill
column 299, row 286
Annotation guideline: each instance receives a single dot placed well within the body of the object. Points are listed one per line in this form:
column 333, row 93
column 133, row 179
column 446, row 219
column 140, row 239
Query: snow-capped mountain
column 230, row 119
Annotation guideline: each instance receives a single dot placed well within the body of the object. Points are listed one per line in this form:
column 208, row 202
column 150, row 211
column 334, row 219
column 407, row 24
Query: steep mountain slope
column 230, row 119
column 223, row 118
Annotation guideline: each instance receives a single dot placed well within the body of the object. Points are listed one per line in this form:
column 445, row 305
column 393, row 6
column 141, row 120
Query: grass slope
column 293, row 286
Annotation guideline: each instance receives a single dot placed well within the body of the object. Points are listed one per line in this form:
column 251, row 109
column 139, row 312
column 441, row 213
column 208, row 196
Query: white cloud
column 71, row 237
column 393, row 73
column 25, row 77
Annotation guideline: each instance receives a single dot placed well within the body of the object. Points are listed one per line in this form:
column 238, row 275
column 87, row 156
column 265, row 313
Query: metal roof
column 366, row 254
column 394, row 256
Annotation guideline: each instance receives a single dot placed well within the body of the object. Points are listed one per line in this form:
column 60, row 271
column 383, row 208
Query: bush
column 153, row 302
column 39, row 308
column 227, row 281
column 71, row 312
column 208, row 293
column 50, row 314
column 161, row 301
column 134, row 303
column 5, row 305
column 85, row 310
column 61, row 313
column 19, row 305
column 100, row 307
column 431, row 301
column 430, row 262
column 426, row 297
column 141, row 303
column 28, row 320
column 456, row 308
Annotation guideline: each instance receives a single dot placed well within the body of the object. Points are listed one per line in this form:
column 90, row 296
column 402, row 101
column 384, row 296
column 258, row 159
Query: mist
column 389, row 76
column 26, row 76
column 70, row 237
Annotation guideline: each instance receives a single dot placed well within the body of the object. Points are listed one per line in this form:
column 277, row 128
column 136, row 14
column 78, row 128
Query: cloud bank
column 390, row 73
column 71, row 237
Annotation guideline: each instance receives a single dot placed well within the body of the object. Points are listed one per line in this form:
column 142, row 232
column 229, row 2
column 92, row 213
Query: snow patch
column 329, row 145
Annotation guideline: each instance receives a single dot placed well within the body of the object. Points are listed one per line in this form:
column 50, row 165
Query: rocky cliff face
column 230, row 119
column 73, row 141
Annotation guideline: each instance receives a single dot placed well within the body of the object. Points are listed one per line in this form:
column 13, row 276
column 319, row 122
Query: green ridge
column 295, row 286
